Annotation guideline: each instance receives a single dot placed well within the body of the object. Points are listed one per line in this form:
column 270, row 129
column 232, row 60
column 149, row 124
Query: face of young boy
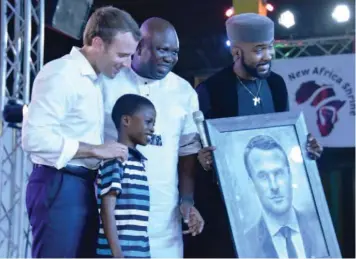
column 142, row 125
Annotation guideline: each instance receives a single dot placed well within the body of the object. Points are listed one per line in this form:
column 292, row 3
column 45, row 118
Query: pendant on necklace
column 256, row 100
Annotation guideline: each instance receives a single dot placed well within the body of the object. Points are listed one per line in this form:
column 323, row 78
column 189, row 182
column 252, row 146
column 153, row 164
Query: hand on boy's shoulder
column 111, row 149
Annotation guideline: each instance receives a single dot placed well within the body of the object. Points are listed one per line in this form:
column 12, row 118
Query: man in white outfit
column 63, row 133
column 176, row 142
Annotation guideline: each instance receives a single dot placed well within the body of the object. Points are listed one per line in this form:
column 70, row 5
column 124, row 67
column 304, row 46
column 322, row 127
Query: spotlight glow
column 269, row 7
column 286, row 19
column 229, row 12
column 341, row 13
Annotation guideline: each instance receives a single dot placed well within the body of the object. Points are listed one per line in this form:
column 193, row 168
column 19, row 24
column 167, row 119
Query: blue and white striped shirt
column 129, row 181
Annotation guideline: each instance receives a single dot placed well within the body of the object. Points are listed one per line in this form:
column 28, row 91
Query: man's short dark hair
column 262, row 142
column 106, row 22
column 128, row 104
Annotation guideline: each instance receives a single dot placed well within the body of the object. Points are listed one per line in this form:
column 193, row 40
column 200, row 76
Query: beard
column 253, row 71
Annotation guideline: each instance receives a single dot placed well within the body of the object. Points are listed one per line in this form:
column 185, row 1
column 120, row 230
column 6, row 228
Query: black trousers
column 216, row 240
column 62, row 212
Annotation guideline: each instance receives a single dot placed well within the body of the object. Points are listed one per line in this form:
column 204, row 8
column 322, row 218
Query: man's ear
column 139, row 47
column 125, row 120
column 236, row 52
column 98, row 43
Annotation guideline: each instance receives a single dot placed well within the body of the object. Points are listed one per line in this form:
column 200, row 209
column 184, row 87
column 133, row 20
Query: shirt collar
column 142, row 80
column 133, row 152
column 86, row 68
column 274, row 226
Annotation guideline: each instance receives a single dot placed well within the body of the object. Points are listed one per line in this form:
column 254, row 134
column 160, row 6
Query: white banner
column 324, row 89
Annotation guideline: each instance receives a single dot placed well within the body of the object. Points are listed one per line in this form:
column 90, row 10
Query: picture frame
column 268, row 181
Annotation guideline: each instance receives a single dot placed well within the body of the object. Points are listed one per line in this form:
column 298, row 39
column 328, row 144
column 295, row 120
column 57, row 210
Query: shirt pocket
column 172, row 120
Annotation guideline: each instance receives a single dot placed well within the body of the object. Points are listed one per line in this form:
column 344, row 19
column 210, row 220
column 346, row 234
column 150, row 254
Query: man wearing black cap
column 247, row 87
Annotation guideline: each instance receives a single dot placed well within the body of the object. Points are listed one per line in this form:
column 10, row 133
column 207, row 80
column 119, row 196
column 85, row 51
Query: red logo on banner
column 327, row 112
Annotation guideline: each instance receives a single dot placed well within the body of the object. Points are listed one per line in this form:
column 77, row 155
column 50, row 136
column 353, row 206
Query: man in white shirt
column 176, row 142
column 282, row 231
column 63, row 133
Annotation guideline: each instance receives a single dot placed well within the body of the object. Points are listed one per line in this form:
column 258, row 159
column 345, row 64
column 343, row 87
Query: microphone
column 198, row 117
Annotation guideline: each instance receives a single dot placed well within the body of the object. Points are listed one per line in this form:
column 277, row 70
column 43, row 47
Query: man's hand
column 192, row 218
column 314, row 148
column 111, row 150
column 205, row 158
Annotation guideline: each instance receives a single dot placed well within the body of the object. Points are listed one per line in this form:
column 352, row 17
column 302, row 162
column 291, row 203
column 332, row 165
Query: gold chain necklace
column 256, row 99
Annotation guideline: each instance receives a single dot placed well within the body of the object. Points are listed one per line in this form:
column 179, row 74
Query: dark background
column 200, row 26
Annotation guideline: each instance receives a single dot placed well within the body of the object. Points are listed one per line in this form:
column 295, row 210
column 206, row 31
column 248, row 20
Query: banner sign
column 323, row 88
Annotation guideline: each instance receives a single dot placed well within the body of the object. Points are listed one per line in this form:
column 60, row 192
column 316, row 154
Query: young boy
column 123, row 193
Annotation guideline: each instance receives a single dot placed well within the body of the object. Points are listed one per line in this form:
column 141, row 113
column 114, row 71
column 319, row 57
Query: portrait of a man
column 282, row 231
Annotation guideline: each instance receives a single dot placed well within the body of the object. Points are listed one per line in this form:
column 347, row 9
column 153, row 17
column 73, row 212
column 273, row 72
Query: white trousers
column 166, row 247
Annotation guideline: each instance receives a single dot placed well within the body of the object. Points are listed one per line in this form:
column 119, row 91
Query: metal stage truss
column 21, row 57
column 314, row 47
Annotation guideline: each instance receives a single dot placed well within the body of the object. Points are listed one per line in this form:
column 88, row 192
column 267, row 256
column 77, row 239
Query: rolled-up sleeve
column 190, row 141
column 110, row 177
column 52, row 98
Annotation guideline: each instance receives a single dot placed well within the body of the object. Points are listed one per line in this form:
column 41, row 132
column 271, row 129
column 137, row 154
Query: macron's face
column 271, row 176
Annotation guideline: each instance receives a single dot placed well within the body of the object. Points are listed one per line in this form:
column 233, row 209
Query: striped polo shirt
column 129, row 181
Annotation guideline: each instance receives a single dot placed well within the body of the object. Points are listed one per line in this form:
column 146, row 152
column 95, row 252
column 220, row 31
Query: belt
column 79, row 171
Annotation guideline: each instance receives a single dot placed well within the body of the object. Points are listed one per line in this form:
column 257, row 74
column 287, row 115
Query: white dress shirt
column 279, row 240
column 175, row 101
column 66, row 108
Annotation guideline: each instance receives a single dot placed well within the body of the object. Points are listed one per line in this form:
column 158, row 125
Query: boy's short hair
column 128, row 104
column 106, row 22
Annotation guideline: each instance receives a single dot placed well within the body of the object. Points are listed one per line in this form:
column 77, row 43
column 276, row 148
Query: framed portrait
column 271, row 188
